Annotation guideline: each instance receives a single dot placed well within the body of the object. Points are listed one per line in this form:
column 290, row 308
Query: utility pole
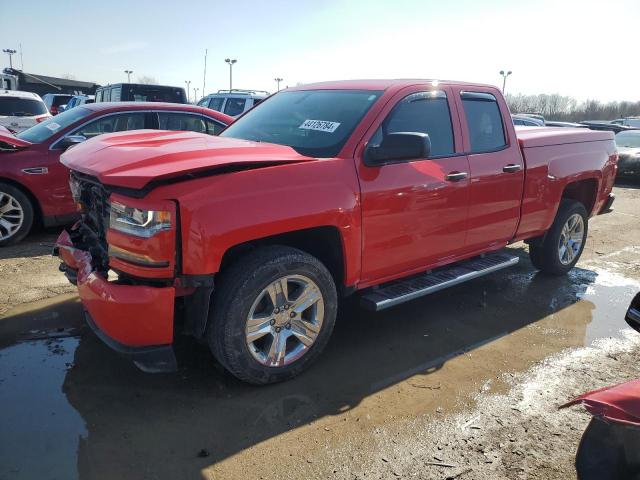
column 278, row 80
column 10, row 52
column 504, row 78
column 230, row 61
column 188, row 82
column 204, row 76
column 21, row 61
column 195, row 94
column 128, row 72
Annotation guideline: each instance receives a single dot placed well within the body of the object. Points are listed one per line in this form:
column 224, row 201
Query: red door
column 414, row 212
column 496, row 169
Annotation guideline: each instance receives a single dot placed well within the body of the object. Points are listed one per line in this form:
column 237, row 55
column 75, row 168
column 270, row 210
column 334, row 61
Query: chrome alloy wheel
column 571, row 239
column 11, row 216
column 284, row 320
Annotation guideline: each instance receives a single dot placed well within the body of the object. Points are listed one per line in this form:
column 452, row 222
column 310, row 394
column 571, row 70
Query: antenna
column 204, row 78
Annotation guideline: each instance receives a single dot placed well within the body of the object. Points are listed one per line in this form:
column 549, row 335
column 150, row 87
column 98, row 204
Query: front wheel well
column 584, row 191
column 324, row 243
column 32, row 198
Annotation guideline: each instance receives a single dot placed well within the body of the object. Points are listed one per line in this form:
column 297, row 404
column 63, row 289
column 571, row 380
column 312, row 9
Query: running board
column 404, row 290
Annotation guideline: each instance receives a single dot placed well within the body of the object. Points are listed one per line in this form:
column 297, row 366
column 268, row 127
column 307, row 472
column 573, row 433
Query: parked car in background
column 233, row 102
column 628, row 122
column 79, row 100
column 393, row 189
column 629, row 153
column 36, row 184
column 554, row 123
column 21, row 110
column 603, row 125
column 54, row 101
column 526, row 121
column 137, row 92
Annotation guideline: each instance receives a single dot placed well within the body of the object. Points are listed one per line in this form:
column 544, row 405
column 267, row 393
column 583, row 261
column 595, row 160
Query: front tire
column 559, row 250
column 16, row 215
column 272, row 315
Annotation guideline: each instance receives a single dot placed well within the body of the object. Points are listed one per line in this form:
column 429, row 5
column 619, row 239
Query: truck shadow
column 139, row 423
column 38, row 243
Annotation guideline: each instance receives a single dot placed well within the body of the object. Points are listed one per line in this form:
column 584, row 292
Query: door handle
column 456, row 176
column 511, row 168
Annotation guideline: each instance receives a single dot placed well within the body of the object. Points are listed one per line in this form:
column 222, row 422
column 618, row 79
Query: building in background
column 43, row 84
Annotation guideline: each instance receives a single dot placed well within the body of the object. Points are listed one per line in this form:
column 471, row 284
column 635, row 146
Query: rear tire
column 16, row 215
column 559, row 250
column 255, row 330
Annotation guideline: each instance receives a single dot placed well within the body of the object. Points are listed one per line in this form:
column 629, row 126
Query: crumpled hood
column 135, row 158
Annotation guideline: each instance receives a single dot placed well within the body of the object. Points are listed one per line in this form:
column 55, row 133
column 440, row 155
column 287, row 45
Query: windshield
column 21, row 107
column 628, row 139
column 45, row 130
column 315, row 123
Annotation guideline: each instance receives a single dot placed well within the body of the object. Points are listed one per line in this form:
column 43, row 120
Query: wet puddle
column 40, row 431
column 102, row 418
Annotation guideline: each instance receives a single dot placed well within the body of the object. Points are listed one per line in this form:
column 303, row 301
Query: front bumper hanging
column 134, row 320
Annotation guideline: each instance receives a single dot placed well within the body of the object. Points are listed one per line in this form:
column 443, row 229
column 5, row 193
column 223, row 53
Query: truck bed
column 530, row 137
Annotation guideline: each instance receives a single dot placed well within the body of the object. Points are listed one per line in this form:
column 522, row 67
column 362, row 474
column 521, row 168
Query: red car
column 34, row 185
column 389, row 189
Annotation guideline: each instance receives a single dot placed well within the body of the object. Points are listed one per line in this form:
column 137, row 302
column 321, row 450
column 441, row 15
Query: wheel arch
column 323, row 242
column 37, row 209
column 584, row 191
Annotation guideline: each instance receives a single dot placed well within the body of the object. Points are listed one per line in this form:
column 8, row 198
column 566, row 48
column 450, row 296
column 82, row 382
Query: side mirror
column 71, row 140
column 399, row 146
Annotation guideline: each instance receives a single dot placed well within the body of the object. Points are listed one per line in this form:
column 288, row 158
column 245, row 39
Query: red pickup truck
column 391, row 189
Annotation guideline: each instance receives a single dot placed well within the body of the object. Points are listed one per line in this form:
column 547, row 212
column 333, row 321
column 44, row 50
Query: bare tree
column 559, row 107
column 147, row 80
column 68, row 76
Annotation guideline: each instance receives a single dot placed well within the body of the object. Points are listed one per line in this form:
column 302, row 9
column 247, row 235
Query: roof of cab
column 382, row 84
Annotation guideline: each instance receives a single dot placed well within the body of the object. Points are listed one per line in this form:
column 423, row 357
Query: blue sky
column 558, row 46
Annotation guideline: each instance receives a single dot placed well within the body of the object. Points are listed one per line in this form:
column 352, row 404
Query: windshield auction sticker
column 53, row 126
column 320, row 125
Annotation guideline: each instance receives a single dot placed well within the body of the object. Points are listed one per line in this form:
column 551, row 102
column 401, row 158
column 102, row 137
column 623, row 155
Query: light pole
column 195, row 94
column 128, row 72
column 504, row 78
column 278, row 80
column 188, row 82
column 230, row 61
column 9, row 52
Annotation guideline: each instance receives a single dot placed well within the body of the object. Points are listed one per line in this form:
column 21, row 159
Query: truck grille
column 94, row 221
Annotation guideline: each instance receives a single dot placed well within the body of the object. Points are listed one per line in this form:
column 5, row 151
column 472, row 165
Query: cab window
column 484, row 121
column 424, row 112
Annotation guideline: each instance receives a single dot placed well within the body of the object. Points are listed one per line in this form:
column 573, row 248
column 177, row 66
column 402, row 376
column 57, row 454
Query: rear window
column 484, row 121
column 61, row 100
column 45, row 130
column 21, row 107
column 151, row 93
